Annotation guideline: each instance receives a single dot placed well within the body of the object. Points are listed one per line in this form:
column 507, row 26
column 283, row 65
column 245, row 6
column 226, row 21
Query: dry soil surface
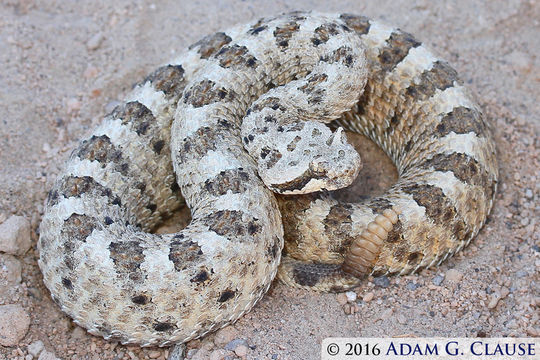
column 64, row 64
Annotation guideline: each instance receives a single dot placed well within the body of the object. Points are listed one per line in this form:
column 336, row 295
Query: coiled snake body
column 116, row 279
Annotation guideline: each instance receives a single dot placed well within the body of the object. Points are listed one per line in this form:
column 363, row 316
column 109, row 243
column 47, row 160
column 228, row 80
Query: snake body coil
column 116, row 279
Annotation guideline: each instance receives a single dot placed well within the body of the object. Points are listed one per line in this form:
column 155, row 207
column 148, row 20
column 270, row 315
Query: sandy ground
column 65, row 64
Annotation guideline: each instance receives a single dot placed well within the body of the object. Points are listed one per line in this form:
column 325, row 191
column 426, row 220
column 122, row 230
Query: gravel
column 35, row 348
column 14, row 323
column 382, row 282
column 15, row 235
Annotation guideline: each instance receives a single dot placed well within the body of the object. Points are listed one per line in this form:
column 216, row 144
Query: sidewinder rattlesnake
column 112, row 276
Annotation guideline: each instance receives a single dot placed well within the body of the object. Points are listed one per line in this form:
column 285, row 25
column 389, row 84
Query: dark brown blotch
column 101, row 149
column 128, row 257
column 78, row 227
column 396, row 234
column 414, row 258
column 163, row 326
column 464, row 167
column 226, row 295
column 338, row 225
column 360, row 24
column 323, row 33
column 211, row 44
column 395, row 50
column 273, row 103
column 258, row 27
column 272, row 158
column 461, row 120
column 140, row 299
column 197, row 145
column 201, row 277
column 184, row 254
column 309, row 274
column 67, row 283
column 233, row 223
column 135, row 115
column 233, row 180
column 312, row 82
column 235, row 56
column 440, row 77
column 76, row 186
column 283, row 34
column 169, row 79
column 206, row 92
column 343, row 54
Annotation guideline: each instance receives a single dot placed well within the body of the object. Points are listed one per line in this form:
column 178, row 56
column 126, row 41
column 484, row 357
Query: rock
column 73, row 105
column 368, row 297
column 10, row 270
column 412, row 285
column 387, row 314
column 241, row 351
column 178, row 352
column 225, row 335
column 15, row 235
column 351, row 296
column 232, row 345
column 437, row 280
column 220, row 354
column 45, row 355
column 350, row 309
column 78, row 333
column 94, row 42
column 341, row 299
column 35, row 348
column 154, row 354
column 494, row 301
column 454, row 275
column 14, row 323
column 528, row 193
column 382, row 281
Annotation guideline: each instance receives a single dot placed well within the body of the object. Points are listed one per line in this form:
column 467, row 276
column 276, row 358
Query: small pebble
column 10, row 270
column 235, row 343
column 351, row 296
column 73, row 105
column 15, row 235
column 35, row 348
column 382, row 281
column 94, row 42
column 412, row 285
column 437, row 280
column 225, row 335
column 219, row 354
column 368, row 297
column 78, row 333
column 401, row 319
column 386, row 314
column 528, row 193
column 454, row 275
column 154, row 354
column 241, row 351
column 46, row 355
column 494, row 301
column 90, row 72
column 341, row 299
column 14, row 323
